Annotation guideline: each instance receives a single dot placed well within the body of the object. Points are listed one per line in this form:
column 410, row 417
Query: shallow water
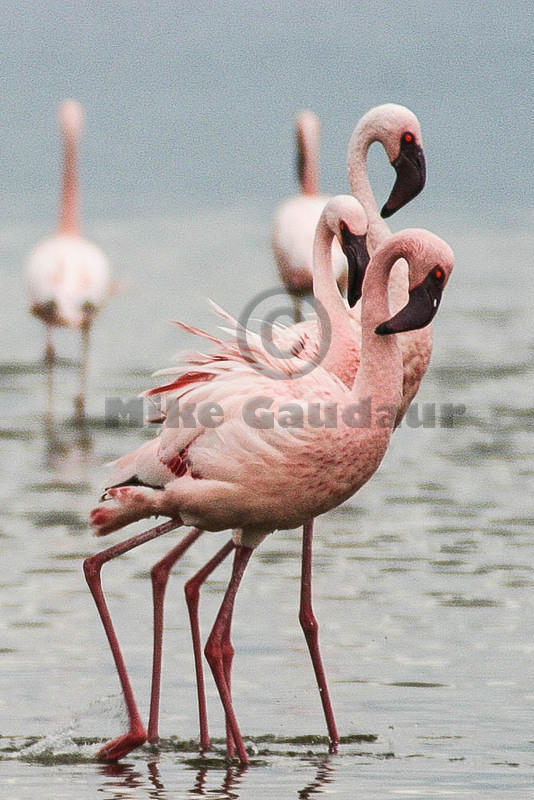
column 423, row 581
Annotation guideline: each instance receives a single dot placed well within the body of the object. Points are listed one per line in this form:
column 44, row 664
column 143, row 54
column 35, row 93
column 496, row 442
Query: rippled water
column 423, row 582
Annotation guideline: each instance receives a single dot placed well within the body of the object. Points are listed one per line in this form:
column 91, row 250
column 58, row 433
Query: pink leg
column 228, row 660
column 50, row 353
column 311, row 632
column 92, row 566
column 160, row 575
column 216, row 642
column 192, row 593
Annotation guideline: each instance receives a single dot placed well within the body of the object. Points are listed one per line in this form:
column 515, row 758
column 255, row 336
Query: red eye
column 342, row 226
column 438, row 273
column 408, row 137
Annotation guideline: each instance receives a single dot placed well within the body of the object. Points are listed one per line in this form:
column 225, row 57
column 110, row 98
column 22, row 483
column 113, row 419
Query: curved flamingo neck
column 69, row 222
column 380, row 372
column 359, row 144
column 326, row 292
column 362, row 138
column 308, row 153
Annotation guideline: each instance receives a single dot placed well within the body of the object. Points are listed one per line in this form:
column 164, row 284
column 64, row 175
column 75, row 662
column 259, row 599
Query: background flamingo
column 295, row 220
column 206, row 475
column 68, row 277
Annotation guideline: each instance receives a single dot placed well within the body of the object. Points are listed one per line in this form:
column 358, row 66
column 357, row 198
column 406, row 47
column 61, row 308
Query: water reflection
column 120, row 778
column 154, row 778
column 231, row 782
column 68, row 446
column 65, row 449
column 323, row 776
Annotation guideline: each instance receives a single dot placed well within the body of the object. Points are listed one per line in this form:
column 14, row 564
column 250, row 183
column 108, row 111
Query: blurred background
column 190, row 111
column 424, row 580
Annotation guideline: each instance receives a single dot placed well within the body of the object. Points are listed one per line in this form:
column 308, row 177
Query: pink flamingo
column 68, row 277
column 203, row 475
column 295, row 220
column 398, row 130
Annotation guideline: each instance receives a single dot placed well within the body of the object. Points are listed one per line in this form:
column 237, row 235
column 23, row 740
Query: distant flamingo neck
column 341, row 330
column 69, row 214
column 308, row 154
column 381, row 370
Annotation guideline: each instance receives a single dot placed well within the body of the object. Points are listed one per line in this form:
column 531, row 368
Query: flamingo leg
column 119, row 747
column 297, row 308
column 192, row 594
column 218, row 641
column 49, row 360
column 228, row 660
column 310, row 628
column 50, row 353
column 79, row 402
column 160, row 576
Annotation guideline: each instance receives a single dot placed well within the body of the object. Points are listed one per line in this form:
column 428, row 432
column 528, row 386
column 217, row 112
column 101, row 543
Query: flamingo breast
column 68, row 280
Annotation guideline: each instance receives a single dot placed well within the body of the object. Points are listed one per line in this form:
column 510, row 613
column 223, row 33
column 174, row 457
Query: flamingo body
column 261, row 478
column 295, row 220
column 294, row 225
column 68, row 280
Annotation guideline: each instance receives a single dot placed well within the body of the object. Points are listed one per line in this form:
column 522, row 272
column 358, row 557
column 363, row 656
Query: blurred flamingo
column 68, row 277
column 295, row 220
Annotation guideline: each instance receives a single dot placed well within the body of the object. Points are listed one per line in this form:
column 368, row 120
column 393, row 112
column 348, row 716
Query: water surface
column 423, row 581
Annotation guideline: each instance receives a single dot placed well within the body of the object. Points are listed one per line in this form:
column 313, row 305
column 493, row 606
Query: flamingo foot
column 129, row 503
column 122, row 745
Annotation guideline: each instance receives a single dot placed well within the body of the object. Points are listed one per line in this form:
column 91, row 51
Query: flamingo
column 202, row 476
column 398, row 130
column 68, row 277
column 295, row 220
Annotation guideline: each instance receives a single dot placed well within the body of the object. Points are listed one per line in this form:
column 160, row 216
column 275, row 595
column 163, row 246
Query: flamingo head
column 71, row 117
column 431, row 262
column 402, row 141
column 398, row 131
column 348, row 222
column 411, row 174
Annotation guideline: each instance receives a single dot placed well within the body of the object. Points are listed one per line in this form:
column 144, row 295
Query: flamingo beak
column 421, row 308
column 355, row 248
column 410, row 167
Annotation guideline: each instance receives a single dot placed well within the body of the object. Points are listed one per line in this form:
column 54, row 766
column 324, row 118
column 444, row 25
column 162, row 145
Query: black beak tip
column 382, row 329
column 386, row 212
